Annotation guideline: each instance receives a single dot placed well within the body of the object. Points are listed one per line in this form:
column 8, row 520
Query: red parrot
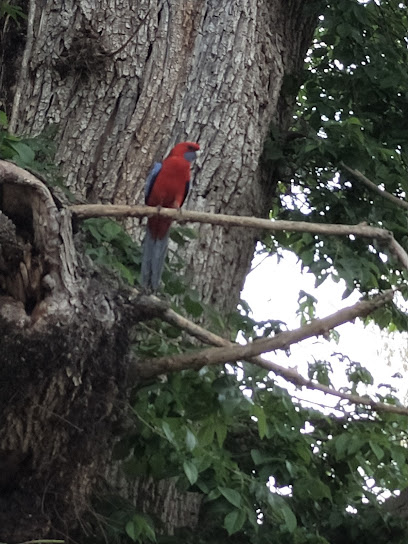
column 167, row 185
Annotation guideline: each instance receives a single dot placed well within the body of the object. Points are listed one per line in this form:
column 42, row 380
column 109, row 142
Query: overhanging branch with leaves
column 226, row 351
column 232, row 353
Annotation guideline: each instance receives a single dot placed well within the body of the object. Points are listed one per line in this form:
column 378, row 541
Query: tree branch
column 12, row 174
column 231, row 352
column 99, row 210
column 283, row 340
column 371, row 185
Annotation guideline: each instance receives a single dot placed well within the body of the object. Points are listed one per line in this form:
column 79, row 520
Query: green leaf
column 399, row 454
column 289, row 517
column 110, row 230
column 213, row 494
column 13, row 11
column 341, row 443
column 191, row 441
column 221, row 432
column 3, row 119
column 234, row 521
column 355, row 443
column 168, row 432
column 260, row 458
column 25, row 154
column 193, row 307
column 139, row 528
column 231, row 495
column 378, row 452
column 259, row 413
column 314, row 488
column 157, row 464
column 145, row 528
column 132, row 531
column 190, row 470
column 206, row 435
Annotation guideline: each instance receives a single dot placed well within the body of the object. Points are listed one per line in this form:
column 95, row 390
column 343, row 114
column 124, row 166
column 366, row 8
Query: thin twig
column 385, row 194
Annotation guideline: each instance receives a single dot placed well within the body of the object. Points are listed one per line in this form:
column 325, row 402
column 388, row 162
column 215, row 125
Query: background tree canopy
column 352, row 108
column 254, row 464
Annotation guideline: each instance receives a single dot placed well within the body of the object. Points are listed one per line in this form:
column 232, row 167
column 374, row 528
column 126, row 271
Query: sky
column 272, row 290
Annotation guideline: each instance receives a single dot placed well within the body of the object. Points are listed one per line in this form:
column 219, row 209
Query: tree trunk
column 122, row 81
column 64, row 340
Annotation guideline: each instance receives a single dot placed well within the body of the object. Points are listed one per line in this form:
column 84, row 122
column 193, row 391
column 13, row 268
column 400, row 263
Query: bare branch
column 371, row 185
column 231, row 352
column 84, row 211
column 99, row 210
column 283, row 340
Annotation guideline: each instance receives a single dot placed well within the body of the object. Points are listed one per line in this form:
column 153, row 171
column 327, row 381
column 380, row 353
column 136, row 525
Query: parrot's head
column 187, row 150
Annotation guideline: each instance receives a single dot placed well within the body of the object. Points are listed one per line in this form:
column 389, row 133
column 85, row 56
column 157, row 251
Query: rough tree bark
column 64, row 342
column 122, row 81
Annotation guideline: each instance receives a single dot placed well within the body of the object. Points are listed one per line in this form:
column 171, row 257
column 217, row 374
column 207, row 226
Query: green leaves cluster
column 10, row 9
column 352, row 109
column 268, row 468
column 108, row 245
column 14, row 148
column 33, row 154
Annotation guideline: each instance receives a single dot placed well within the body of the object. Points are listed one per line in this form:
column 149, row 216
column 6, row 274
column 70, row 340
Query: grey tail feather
column 154, row 255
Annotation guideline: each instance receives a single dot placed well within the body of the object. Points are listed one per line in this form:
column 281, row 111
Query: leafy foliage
column 352, row 109
column 269, row 468
column 110, row 246
column 10, row 9
column 33, row 154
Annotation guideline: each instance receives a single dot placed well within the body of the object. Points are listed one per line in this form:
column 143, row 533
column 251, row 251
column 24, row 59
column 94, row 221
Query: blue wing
column 151, row 178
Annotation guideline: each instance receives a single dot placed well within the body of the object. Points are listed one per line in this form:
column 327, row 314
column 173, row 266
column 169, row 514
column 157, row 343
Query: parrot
column 167, row 185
